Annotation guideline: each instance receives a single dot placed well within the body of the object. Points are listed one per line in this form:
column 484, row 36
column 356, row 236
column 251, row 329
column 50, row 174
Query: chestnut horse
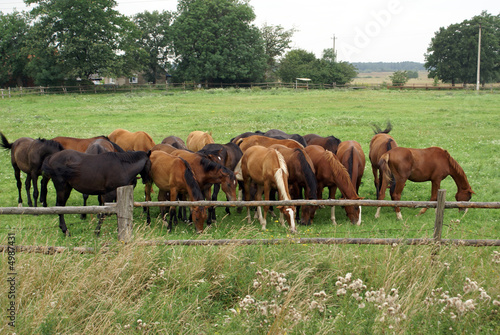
column 300, row 177
column 174, row 177
column 266, row 168
column 379, row 145
column 431, row 164
column 175, row 141
column 27, row 155
column 93, row 174
column 128, row 141
column 78, row 144
column 332, row 174
column 247, row 142
column 208, row 173
column 330, row 143
column 351, row 155
column 196, row 140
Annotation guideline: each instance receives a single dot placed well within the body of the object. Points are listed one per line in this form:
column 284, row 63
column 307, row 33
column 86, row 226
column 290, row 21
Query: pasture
column 204, row 289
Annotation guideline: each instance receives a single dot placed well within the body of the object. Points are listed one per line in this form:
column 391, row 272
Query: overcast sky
column 364, row 30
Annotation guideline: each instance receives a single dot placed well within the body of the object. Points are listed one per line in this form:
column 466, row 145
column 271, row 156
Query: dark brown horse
column 431, row 164
column 174, row 177
column 266, row 168
column 27, row 155
column 93, row 174
column 351, row 155
column 330, row 143
column 128, row 141
column 175, row 141
column 96, row 147
column 247, row 142
column 332, row 174
column 208, row 173
column 229, row 155
column 301, row 179
column 280, row 134
column 196, row 140
column 380, row 143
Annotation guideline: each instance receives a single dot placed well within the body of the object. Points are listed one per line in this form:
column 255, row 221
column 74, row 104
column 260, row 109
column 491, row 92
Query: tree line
column 62, row 42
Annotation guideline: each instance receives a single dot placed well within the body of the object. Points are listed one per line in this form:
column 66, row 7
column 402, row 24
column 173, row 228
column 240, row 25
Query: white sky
column 365, row 30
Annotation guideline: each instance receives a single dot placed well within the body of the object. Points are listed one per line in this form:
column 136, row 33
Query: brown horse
column 208, row 173
column 173, row 176
column 27, row 155
column 78, row 144
column 332, row 174
column 419, row 165
column 351, row 155
column 196, row 140
column 379, row 145
column 247, row 142
column 175, row 141
column 168, row 148
column 330, row 143
column 128, row 141
column 267, row 169
column 301, row 177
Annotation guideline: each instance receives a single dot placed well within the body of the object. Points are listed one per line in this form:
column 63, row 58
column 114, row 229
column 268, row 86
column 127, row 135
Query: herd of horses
column 266, row 165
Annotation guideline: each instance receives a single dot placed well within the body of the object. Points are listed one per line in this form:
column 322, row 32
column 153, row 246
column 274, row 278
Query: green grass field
column 203, row 289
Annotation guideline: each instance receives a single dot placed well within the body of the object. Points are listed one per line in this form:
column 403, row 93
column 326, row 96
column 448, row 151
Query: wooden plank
column 107, row 209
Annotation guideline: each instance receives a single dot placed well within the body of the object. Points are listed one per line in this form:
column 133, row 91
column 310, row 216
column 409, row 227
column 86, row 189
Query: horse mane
column 191, row 181
column 456, row 167
column 340, row 171
column 279, row 176
column 50, row 143
column 309, row 175
column 377, row 130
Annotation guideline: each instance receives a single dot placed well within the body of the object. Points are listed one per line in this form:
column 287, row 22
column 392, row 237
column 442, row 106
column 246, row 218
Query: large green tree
column 276, row 41
column 215, row 40
column 78, row 38
column 156, row 41
column 13, row 54
column 452, row 53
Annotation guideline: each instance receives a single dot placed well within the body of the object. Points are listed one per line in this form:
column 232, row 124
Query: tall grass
column 289, row 288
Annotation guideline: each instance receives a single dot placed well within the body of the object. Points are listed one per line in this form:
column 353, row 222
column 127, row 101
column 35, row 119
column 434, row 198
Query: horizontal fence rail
column 125, row 205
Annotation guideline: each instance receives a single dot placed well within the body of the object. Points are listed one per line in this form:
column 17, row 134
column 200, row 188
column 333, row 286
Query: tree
column 78, row 38
column 13, row 55
column 300, row 63
column 156, row 41
column 399, row 78
column 214, row 40
column 452, row 53
column 276, row 41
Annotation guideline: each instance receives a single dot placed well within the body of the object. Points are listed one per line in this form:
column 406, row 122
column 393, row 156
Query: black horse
column 93, row 174
column 27, row 155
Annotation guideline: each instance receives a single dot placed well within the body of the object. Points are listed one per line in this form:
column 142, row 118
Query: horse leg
column 43, row 191
column 396, row 195
column 34, row 178
column 27, row 184
column 147, row 196
column 267, row 190
column 17, row 174
column 85, row 198
column 375, row 180
column 434, row 195
column 100, row 216
column 211, row 209
column 381, row 191
column 63, row 192
column 331, row 195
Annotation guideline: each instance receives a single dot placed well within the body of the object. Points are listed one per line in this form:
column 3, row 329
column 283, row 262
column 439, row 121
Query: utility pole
column 478, row 58
column 334, row 53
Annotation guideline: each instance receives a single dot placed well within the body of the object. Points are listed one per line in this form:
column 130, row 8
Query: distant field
column 265, row 289
column 374, row 78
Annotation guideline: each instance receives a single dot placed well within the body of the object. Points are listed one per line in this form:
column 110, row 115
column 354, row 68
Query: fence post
column 438, row 224
column 125, row 212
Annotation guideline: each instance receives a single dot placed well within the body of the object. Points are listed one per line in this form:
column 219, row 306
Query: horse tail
column 384, row 166
column 5, row 143
column 389, row 144
column 238, row 141
column 350, row 162
column 378, row 130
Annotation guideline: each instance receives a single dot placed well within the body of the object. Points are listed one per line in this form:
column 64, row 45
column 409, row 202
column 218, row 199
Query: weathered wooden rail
column 125, row 205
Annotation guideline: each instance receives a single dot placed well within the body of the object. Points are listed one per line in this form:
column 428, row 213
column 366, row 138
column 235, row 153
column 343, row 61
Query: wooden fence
column 125, row 205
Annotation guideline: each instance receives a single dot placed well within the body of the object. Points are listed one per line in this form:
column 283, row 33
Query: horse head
column 146, row 170
column 199, row 216
column 229, row 184
column 464, row 195
column 289, row 214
